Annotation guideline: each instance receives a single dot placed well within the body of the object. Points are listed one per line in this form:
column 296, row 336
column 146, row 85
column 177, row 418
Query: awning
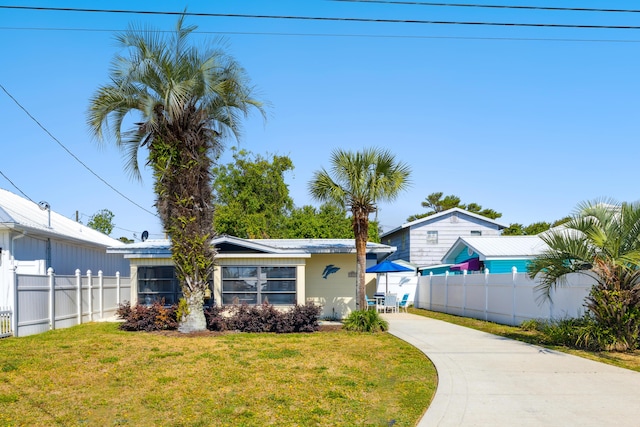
column 472, row 264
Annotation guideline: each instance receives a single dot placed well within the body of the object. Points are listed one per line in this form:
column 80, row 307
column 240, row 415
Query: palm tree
column 603, row 240
column 358, row 181
column 188, row 100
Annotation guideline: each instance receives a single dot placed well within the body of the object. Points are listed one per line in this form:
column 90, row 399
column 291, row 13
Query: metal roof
column 493, row 247
column 25, row 216
column 273, row 246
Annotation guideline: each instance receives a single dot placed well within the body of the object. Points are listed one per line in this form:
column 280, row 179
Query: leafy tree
column 436, row 203
column 102, row 221
column 357, row 181
column 536, row 228
column 602, row 240
column 125, row 239
column 188, row 100
column 329, row 221
column 250, row 196
column 515, row 229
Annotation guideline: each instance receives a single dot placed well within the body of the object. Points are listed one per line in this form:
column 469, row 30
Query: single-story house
column 499, row 254
column 425, row 241
column 282, row 272
column 34, row 238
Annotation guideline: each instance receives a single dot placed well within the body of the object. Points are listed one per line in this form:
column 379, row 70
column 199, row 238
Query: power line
column 69, row 152
column 492, row 6
column 16, row 187
column 331, row 19
column 391, row 36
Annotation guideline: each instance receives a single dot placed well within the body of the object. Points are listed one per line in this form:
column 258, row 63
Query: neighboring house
column 499, row 254
column 425, row 241
column 278, row 271
column 34, row 238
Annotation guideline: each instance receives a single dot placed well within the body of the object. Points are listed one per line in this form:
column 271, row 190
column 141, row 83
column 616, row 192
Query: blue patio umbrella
column 387, row 267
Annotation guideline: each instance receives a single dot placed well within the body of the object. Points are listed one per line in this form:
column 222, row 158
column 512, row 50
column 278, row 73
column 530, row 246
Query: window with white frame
column 476, row 233
column 432, row 237
column 256, row 285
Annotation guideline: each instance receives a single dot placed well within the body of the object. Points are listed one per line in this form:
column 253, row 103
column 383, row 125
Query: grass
column 95, row 374
column 628, row 360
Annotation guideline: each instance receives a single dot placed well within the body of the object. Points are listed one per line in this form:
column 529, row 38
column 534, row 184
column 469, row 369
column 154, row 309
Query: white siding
column 424, row 254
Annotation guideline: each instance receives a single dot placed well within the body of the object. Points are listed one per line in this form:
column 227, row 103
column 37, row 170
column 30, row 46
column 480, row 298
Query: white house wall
column 412, row 241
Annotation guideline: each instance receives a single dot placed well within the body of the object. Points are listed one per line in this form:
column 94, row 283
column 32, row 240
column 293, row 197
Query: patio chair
column 404, row 302
column 391, row 302
column 370, row 303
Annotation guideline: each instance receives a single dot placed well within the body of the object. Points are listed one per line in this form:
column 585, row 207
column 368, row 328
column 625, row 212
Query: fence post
column 486, row 294
column 90, row 297
column 431, row 290
column 551, row 305
column 79, row 295
column 514, row 273
column 464, row 292
column 14, row 285
column 446, row 292
column 101, row 289
column 117, row 289
column 52, row 299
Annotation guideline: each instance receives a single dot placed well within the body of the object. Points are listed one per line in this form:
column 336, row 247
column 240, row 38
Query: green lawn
column 628, row 360
column 96, row 375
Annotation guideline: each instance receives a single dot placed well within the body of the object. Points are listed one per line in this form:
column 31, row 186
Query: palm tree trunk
column 194, row 320
column 361, row 233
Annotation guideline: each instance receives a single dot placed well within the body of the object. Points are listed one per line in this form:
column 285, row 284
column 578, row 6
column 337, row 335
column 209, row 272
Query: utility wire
column 327, row 19
column 491, row 6
column 70, row 153
column 391, row 36
column 16, row 187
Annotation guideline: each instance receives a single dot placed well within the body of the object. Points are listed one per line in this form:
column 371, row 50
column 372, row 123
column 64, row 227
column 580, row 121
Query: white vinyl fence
column 44, row 302
column 507, row 299
column 5, row 322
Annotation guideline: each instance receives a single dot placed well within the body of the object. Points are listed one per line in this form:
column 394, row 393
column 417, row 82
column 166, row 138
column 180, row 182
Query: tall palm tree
column 603, row 240
column 188, row 100
column 358, row 181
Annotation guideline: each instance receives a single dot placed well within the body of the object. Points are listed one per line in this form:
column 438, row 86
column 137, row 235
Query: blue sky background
column 526, row 121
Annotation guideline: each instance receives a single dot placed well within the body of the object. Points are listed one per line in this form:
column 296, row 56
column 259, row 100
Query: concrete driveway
column 486, row 380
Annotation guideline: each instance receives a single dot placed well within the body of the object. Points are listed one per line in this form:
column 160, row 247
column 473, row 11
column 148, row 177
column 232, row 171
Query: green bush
column 365, row 321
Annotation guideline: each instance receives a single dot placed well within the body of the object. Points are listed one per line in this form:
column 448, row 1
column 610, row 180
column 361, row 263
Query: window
column 432, row 237
column 156, row 283
column 476, row 233
column 256, row 285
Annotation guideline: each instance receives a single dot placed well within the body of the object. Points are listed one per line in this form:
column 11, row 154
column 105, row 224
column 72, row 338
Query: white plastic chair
column 391, row 302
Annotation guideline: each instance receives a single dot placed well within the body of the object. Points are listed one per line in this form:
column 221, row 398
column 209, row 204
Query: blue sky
column 526, row 121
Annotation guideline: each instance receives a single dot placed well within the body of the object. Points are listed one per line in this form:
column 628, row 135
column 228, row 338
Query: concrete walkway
column 486, row 380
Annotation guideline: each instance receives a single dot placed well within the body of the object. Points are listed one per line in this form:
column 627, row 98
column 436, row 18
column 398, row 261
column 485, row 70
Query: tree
column 188, row 101
column 329, row 221
column 532, row 229
column 102, row 221
column 603, row 240
column 436, row 203
column 358, row 181
column 250, row 196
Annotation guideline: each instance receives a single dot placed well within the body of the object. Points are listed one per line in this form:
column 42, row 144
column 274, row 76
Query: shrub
column 365, row 321
column 301, row 318
column 263, row 318
column 216, row 319
column 156, row 317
